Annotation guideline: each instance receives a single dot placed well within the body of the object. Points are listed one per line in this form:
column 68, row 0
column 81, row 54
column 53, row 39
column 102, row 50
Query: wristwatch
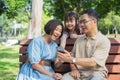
column 73, row 60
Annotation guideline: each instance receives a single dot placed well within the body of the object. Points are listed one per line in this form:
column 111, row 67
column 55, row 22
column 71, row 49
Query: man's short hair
column 91, row 13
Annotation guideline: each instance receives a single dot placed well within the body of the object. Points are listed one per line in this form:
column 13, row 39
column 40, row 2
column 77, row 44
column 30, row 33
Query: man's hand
column 75, row 73
column 66, row 57
column 57, row 76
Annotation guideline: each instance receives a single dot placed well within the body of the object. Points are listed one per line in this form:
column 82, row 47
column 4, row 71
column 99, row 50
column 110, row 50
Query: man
column 90, row 51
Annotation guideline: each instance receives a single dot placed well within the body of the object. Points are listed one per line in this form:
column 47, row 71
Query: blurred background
column 15, row 17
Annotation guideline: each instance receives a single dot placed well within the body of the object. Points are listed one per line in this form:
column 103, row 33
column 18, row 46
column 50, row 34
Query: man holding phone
column 90, row 51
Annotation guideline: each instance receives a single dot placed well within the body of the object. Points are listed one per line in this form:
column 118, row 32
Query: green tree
column 15, row 7
column 110, row 24
column 3, row 7
column 16, row 10
column 57, row 8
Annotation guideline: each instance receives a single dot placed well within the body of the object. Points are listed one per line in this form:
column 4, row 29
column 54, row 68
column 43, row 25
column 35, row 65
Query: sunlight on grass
column 9, row 62
column 113, row 36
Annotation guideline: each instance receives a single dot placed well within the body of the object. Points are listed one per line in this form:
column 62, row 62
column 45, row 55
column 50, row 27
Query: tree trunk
column 35, row 22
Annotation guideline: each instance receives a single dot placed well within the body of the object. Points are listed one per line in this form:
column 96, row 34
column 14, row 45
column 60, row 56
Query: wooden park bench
column 112, row 64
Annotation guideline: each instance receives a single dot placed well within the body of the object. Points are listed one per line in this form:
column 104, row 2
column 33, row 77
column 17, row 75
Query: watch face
column 73, row 60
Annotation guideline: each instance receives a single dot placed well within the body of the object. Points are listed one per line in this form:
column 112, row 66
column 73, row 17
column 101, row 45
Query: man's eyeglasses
column 85, row 21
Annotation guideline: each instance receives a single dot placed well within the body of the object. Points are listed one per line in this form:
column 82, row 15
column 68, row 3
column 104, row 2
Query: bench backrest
column 112, row 64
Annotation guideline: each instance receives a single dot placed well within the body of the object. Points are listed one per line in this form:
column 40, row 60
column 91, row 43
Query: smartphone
column 60, row 49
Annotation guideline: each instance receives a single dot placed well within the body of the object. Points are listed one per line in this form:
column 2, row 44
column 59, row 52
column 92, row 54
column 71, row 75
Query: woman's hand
column 57, row 76
column 75, row 73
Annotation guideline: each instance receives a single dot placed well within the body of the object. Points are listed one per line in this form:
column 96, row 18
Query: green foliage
column 110, row 24
column 5, row 24
column 14, row 7
column 16, row 11
column 2, row 7
column 45, row 19
column 9, row 62
column 57, row 8
column 22, row 18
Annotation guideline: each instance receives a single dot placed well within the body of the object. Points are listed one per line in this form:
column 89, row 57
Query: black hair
column 70, row 15
column 51, row 26
column 91, row 13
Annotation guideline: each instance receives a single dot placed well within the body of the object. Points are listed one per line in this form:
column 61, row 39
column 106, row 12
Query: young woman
column 41, row 52
column 72, row 28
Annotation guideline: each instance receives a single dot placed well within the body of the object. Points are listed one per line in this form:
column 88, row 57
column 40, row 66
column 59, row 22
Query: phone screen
column 60, row 49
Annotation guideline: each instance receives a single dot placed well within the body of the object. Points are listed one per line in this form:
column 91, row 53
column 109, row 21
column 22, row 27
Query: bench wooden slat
column 23, row 50
column 25, row 42
column 68, row 48
column 113, row 59
column 115, row 49
column 22, row 58
column 113, row 68
column 114, row 77
column 115, row 41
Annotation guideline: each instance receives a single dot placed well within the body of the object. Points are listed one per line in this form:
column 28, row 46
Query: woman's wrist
column 51, row 75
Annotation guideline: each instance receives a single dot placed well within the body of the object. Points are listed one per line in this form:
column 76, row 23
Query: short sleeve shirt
column 96, row 48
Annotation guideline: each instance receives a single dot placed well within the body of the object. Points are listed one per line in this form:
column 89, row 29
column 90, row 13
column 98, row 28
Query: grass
column 9, row 62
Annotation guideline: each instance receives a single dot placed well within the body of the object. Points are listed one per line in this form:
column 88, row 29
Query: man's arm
column 86, row 62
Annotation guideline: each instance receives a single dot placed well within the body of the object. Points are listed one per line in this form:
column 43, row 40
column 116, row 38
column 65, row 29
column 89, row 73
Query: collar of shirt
column 93, row 37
